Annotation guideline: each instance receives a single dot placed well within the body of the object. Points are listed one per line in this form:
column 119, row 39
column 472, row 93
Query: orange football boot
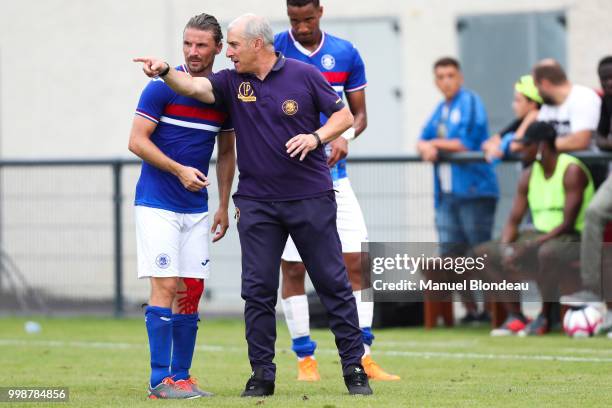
column 308, row 369
column 375, row 372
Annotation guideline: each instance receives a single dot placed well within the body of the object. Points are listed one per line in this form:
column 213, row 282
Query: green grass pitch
column 104, row 362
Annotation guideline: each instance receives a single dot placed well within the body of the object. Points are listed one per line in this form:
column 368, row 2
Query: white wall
column 68, row 87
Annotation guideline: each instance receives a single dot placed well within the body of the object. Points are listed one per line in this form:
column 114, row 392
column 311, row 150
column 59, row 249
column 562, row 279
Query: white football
column 582, row 321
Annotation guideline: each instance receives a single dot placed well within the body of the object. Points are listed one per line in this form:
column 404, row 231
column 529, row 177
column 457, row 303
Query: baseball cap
column 526, row 86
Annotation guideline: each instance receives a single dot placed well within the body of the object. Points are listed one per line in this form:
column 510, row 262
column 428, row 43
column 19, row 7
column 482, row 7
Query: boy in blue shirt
column 465, row 193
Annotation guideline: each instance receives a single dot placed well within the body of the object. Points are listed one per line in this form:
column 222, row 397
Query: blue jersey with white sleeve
column 463, row 118
column 339, row 62
column 185, row 132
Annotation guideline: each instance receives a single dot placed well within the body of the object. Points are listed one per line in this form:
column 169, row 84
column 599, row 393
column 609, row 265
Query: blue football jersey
column 339, row 62
column 186, row 131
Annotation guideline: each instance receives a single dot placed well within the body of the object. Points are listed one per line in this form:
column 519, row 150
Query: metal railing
column 61, row 219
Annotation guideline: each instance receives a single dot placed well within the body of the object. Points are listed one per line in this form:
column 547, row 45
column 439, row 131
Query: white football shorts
column 349, row 221
column 170, row 244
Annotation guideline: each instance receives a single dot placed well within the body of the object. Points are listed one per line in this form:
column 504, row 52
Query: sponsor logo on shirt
column 328, row 61
column 563, row 127
column 246, row 92
column 290, row 107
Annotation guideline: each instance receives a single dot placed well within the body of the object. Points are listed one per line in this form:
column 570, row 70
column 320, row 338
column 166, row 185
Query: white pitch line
column 586, row 351
column 413, row 354
column 102, row 345
column 482, row 356
column 434, row 344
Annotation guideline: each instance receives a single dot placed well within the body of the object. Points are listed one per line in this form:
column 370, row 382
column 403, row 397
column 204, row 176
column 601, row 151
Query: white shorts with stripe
column 349, row 221
column 170, row 244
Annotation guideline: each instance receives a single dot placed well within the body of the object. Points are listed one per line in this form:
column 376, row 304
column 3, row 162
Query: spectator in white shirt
column 573, row 110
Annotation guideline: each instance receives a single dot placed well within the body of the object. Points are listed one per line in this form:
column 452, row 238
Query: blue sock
column 184, row 331
column 159, row 328
column 303, row 346
column 366, row 334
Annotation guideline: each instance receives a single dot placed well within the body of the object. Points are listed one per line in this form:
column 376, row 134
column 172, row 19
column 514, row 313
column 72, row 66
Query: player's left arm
column 357, row 106
column 354, row 89
column 226, row 167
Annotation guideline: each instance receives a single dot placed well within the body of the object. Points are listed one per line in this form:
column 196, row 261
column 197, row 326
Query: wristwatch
column 316, row 135
column 165, row 71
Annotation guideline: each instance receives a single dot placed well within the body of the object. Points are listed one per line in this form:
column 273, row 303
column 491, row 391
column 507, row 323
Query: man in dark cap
column 557, row 189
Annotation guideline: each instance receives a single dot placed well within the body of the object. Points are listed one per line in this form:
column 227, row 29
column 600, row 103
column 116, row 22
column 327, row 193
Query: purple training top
column 265, row 115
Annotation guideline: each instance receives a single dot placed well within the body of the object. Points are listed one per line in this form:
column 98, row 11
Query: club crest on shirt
column 246, row 92
column 455, row 116
column 290, row 107
column 162, row 261
column 328, row 61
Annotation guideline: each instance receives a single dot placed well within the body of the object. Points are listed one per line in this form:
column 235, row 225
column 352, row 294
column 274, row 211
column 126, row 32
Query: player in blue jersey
column 340, row 63
column 175, row 136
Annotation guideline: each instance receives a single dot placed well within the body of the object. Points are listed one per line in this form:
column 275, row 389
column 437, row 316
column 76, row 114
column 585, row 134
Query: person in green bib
column 556, row 188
